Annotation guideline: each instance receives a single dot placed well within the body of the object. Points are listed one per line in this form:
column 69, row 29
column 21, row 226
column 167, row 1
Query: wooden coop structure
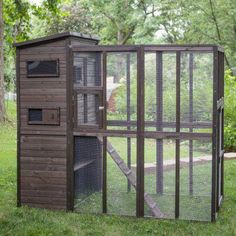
column 130, row 130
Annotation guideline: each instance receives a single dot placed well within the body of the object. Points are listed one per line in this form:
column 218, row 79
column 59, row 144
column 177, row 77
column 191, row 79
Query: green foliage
column 230, row 111
column 17, row 17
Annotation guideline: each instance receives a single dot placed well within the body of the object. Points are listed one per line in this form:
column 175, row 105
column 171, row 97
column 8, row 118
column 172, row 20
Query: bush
column 230, row 112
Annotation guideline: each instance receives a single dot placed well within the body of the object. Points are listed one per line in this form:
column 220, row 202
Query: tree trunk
column 2, row 107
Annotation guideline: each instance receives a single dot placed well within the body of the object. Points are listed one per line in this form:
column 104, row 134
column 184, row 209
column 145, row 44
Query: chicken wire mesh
column 121, row 176
column 88, row 174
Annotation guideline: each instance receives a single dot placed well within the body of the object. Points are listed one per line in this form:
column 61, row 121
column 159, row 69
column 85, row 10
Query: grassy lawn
column 26, row 221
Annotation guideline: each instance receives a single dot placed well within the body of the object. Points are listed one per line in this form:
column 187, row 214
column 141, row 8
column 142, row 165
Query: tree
column 15, row 19
column 187, row 21
column 2, row 108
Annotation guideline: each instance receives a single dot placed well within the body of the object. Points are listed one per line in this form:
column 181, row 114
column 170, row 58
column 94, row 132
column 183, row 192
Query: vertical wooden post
column 104, row 126
column 70, row 103
column 177, row 147
column 214, row 136
column 128, row 90
column 191, row 122
column 18, row 128
column 140, row 133
column 159, row 120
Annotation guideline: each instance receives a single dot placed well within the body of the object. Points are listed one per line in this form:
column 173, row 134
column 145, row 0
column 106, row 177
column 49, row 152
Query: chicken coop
column 133, row 130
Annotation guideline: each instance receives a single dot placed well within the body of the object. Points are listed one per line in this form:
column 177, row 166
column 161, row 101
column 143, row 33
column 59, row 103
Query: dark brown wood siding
column 43, row 147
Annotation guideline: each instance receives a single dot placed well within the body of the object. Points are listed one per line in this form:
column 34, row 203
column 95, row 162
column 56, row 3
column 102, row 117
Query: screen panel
column 159, row 177
column 87, row 109
column 196, row 92
column 195, row 180
column 87, row 69
column 160, row 91
column 87, row 174
column 121, row 94
column 121, row 193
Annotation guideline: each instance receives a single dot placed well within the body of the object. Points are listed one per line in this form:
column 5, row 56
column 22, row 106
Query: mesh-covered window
column 78, row 74
column 87, row 68
column 87, row 109
column 35, row 115
column 43, row 68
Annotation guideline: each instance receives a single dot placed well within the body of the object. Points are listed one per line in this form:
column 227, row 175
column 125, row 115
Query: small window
column 43, row 68
column 35, row 115
column 44, row 116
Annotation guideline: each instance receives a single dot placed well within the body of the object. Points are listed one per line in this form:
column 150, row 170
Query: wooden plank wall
column 42, row 156
column 43, row 147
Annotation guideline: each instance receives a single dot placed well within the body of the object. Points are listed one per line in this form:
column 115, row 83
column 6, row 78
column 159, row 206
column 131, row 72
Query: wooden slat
column 42, row 56
column 44, row 153
column 49, row 186
column 44, row 139
column 55, row 194
column 43, row 146
column 43, row 160
column 45, row 83
column 43, row 166
column 39, row 129
column 37, row 173
column 41, row 199
column 44, row 99
column 43, row 91
column 45, row 206
column 43, row 50
column 60, row 132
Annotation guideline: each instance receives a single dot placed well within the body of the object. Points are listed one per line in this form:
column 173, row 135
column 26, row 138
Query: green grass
column 26, row 221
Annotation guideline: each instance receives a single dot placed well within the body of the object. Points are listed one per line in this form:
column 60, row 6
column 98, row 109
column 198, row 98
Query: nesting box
column 129, row 130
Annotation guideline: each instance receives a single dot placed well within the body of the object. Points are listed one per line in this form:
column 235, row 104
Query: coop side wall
column 45, row 152
column 42, row 148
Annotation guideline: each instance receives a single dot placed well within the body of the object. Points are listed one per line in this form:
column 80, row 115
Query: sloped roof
column 56, row 37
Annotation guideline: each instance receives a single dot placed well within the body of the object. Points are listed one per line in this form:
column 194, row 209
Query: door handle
column 101, row 108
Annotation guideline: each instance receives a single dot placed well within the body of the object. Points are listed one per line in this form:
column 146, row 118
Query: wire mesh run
column 162, row 119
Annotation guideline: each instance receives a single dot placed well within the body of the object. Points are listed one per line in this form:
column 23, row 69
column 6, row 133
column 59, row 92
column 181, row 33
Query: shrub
column 230, row 112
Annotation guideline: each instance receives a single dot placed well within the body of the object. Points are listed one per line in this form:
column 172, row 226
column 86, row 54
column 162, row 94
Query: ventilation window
column 44, row 116
column 46, row 68
column 35, row 115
